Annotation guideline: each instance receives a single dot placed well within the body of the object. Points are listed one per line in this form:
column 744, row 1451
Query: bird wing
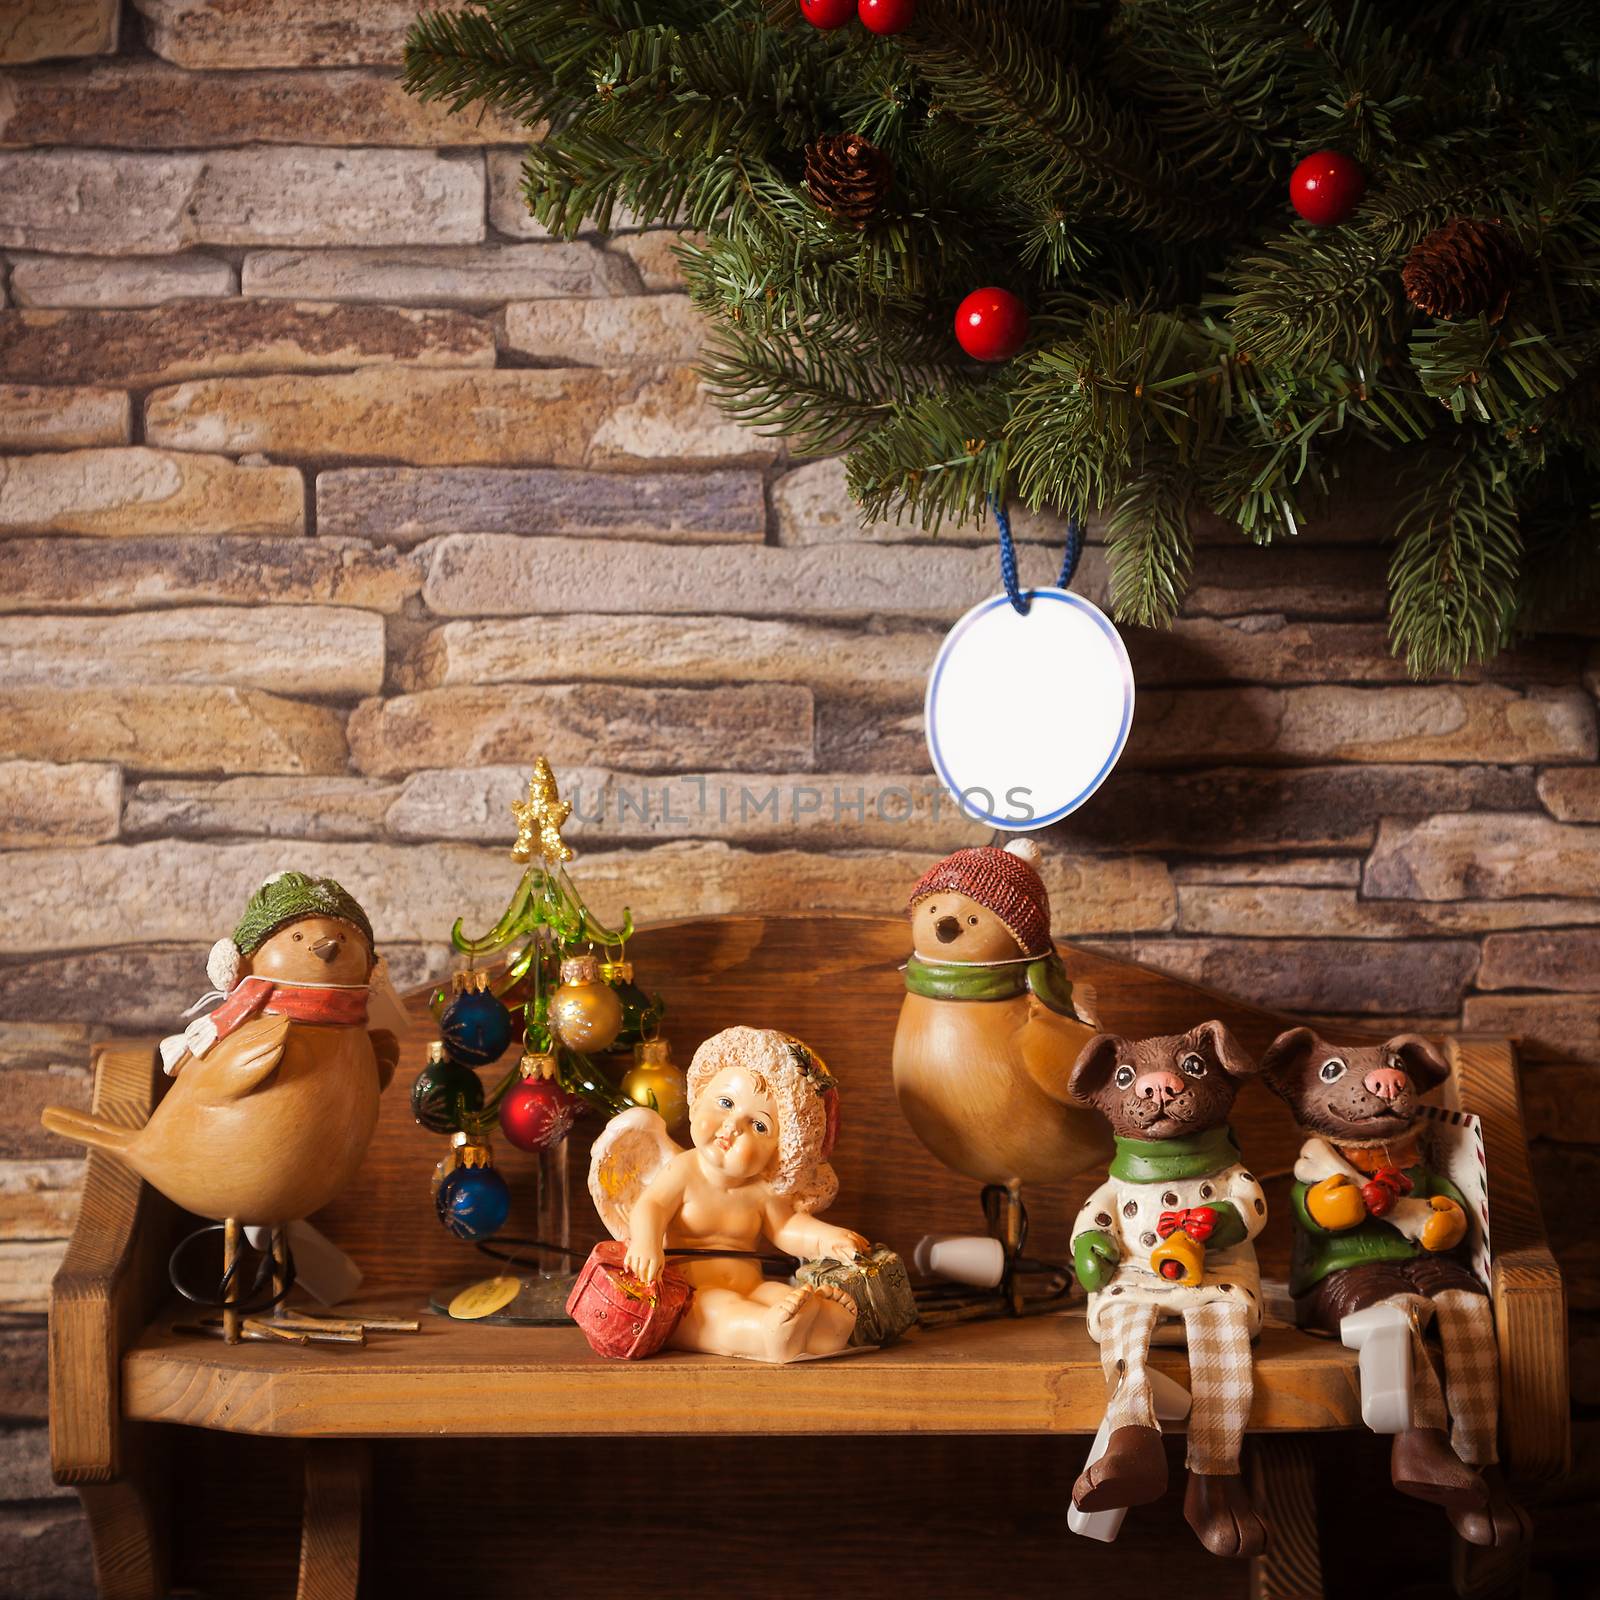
column 1049, row 1044
column 1086, row 1003
column 238, row 1065
column 386, row 1050
column 631, row 1149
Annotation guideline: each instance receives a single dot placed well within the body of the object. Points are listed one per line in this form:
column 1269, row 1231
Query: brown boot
column 1422, row 1464
column 1500, row 1523
column 1132, row 1472
column 1218, row 1507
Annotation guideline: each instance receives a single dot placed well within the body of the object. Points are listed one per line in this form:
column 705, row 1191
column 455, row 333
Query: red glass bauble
column 887, row 16
column 1326, row 187
column 536, row 1113
column 991, row 324
column 827, row 13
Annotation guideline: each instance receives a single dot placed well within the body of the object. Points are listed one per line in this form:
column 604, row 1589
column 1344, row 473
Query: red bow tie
column 1197, row 1221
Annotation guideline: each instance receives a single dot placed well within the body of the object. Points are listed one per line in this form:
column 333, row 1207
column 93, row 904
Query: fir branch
column 1152, row 549
column 1043, row 128
column 1488, row 373
column 939, row 456
column 1131, row 385
column 1310, row 294
column 1122, row 168
column 821, row 386
column 1455, row 570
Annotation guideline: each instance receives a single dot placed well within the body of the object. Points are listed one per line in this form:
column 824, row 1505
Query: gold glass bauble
column 653, row 1080
column 469, row 1150
column 584, row 1011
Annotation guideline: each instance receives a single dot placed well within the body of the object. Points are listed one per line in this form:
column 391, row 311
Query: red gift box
column 622, row 1317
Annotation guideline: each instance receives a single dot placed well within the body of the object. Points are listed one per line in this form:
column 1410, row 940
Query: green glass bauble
column 442, row 1093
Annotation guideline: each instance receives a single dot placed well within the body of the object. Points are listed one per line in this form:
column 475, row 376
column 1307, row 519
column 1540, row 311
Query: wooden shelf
column 1038, row 1375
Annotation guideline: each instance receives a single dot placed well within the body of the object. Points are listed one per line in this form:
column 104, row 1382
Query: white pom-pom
column 274, row 878
column 1026, row 850
column 222, row 965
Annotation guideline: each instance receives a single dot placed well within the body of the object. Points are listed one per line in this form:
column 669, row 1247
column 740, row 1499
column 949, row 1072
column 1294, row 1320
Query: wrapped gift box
column 620, row 1316
column 879, row 1285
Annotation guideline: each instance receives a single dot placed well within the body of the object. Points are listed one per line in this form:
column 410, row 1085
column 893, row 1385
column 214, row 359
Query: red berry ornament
column 536, row 1113
column 827, row 14
column 887, row 16
column 1326, row 187
column 991, row 324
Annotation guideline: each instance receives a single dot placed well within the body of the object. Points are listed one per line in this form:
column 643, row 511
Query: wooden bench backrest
column 834, row 982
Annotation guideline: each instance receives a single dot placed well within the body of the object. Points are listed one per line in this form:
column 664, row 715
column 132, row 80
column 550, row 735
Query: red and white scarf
column 343, row 1004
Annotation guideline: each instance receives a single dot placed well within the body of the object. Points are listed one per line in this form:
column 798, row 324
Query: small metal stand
column 941, row 1304
column 233, row 1312
column 545, row 1267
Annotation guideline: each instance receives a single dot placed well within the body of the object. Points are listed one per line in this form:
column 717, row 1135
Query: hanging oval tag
column 1027, row 714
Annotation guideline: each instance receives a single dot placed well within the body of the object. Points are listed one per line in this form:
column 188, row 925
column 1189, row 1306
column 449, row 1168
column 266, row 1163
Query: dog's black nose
column 947, row 928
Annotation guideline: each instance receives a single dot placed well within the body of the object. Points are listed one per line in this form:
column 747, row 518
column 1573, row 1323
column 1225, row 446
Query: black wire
column 222, row 1303
column 514, row 1256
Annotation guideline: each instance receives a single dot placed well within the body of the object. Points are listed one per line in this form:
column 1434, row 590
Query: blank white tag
column 1027, row 715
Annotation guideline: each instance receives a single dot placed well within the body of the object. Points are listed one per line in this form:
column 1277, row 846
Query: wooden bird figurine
column 989, row 1029
column 275, row 1092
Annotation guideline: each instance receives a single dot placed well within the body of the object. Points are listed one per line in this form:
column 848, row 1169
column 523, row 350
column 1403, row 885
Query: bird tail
column 83, row 1128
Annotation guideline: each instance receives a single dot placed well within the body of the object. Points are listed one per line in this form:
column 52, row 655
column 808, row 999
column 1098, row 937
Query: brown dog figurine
column 1167, row 1239
column 1375, row 1225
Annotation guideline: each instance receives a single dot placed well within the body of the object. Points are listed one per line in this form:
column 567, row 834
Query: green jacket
column 1318, row 1251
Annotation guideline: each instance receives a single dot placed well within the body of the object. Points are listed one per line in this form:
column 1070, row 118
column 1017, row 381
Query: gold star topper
column 539, row 818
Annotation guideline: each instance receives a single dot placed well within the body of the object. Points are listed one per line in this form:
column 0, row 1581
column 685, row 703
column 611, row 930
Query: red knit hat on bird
column 1006, row 883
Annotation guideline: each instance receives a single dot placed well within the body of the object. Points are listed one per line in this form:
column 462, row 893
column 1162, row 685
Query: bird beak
column 326, row 949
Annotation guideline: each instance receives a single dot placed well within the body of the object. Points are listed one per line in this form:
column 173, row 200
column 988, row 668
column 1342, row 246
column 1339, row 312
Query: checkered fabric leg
column 1427, row 1398
column 1222, row 1382
column 1124, row 1356
column 1471, row 1374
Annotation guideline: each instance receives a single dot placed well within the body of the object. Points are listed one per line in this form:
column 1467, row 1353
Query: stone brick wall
column 334, row 491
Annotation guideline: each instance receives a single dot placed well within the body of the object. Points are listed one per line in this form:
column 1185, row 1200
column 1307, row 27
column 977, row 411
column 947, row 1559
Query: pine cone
column 848, row 177
column 1467, row 267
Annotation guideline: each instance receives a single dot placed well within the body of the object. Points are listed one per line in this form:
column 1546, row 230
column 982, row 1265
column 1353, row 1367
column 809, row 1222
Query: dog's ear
column 1421, row 1059
column 1231, row 1055
column 1091, row 1072
column 1285, row 1056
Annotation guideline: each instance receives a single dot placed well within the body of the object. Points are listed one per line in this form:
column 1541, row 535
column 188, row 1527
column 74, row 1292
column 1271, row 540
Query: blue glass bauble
column 476, row 1028
column 474, row 1203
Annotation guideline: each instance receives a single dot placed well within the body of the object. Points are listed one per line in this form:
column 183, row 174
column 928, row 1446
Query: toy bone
column 1378, row 1244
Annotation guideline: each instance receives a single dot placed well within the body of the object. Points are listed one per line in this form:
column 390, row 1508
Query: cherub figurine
column 762, row 1118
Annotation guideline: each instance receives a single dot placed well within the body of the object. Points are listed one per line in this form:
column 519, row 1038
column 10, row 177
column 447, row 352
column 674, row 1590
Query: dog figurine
column 1376, row 1225
column 1166, row 1239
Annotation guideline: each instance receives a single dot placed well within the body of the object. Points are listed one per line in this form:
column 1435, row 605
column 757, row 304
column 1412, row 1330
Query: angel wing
column 632, row 1148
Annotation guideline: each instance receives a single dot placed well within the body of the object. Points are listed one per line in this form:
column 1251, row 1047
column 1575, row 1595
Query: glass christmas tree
column 553, row 975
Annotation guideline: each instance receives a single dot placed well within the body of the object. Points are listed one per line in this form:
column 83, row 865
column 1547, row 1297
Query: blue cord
column 1008, row 556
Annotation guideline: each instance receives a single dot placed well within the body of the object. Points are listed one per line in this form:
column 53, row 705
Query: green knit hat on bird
column 284, row 898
